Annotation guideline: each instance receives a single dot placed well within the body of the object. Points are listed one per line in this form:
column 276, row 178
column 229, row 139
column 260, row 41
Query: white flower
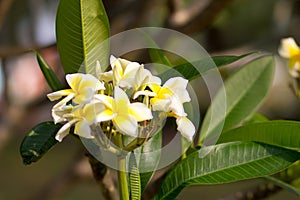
column 123, row 72
column 83, row 88
column 291, row 51
column 124, row 115
column 170, row 95
column 81, row 117
column 169, row 98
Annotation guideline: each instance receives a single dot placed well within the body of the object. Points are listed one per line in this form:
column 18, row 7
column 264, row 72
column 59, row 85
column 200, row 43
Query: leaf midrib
column 231, row 106
column 186, row 181
column 83, row 36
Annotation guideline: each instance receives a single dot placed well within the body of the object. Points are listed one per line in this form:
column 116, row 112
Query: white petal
column 58, row 94
column 178, row 86
column 85, row 96
column 90, row 81
column 177, row 107
column 144, row 93
column 112, row 59
column 74, row 80
column 176, row 83
column 161, row 104
column 131, row 69
column 117, row 72
column 186, row 127
column 155, row 80
column 126, row 82
column 106, row 100
column 105, row 115
column 288, row 48
column 91, row 110
column 82, row 128
column 142, row 78
column 126, row 124
column 121, row 100
column 106, row 76
column 140, row 111
column 294, row 70
column 57, row 117
column 63, row 102
column 98, row 67
column 124, row 63
column 64, row 130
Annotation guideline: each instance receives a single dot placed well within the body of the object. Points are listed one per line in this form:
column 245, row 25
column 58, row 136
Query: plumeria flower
column 169, row 98
column 144, row 78
column 173, row 90
column 81, row 117
column 123, row 72
column 83, row 88
column 124, row 115
column 290, row 50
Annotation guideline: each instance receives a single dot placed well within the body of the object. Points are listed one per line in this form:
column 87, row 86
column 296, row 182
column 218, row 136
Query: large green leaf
column 226, row 163
column 244, row 91
column 38, row 141
column 279, row 133
column 49, row 75
column 188, row 70
column 81, row 28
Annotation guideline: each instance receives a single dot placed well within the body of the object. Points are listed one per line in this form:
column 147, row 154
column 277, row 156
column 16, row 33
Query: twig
column 104, row 179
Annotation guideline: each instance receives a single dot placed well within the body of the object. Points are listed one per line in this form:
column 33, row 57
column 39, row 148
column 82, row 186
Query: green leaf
column 225, row 60
column 255, row 118
column 283, row 185
column 82, row 28
column 49, row 75
column 226, row 163
column 280, row 133
column 244, row 91
column 134, row 179
column 38, row 141
column 196, row 69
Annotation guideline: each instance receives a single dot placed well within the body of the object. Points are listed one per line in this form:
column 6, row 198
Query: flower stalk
column 122, row 175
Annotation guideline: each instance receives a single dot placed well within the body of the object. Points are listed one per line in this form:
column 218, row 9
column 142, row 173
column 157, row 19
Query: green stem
column 122, row 175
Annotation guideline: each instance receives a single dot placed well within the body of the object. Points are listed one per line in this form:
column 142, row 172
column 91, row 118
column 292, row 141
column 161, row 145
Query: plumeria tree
column 117, row 109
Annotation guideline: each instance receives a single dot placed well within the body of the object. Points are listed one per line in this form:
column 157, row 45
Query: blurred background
column 222, row 27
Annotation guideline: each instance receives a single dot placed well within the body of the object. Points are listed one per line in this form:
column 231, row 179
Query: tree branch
column 104, row 178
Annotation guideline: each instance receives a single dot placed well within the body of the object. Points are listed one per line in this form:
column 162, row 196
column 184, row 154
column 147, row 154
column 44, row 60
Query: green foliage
column 252, row 146
column 226, row 163
column 244, row 92
column 256, row 117
column 49, row 75
column 38, row 141
column 82, row 28
column 134, row 178
column 280, row 133
column 196, row 69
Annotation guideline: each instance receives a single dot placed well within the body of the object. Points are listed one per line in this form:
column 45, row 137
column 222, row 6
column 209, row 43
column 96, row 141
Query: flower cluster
column 125, row 96
column 291, row 51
